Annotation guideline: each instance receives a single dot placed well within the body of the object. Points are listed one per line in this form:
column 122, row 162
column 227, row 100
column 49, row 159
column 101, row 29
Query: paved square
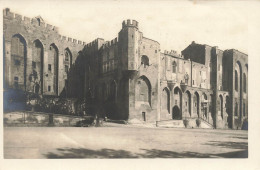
column 123, row 141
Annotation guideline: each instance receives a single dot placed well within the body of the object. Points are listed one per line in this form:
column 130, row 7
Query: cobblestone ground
column 121, row 141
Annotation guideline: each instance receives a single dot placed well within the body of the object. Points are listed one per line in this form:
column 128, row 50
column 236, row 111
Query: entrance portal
column 176, row 113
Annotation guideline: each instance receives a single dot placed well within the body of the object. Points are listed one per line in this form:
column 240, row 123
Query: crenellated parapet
column 130, row 23
column 173, row 53
column 39, row 23
column 109, row 44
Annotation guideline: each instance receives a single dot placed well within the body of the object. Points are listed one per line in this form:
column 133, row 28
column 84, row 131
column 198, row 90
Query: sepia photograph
column 120, row 80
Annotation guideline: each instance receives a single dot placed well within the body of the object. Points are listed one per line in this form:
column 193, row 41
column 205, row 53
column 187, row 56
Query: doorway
column 176, row 115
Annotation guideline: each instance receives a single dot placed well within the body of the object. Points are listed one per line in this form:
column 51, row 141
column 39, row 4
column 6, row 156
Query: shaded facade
column 129, row 77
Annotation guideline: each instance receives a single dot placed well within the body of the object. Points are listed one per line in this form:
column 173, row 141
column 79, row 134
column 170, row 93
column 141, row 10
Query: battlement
column 111, row 43
column 37, row 21
column 173, row 53
column 94, row 43
column 130, row 23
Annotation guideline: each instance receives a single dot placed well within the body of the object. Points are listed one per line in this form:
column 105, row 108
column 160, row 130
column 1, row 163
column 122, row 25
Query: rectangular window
column 49, row 67
column 155, row 51
column 16, row 78
column 49, row 88
column 193, row 82
column 34, row 64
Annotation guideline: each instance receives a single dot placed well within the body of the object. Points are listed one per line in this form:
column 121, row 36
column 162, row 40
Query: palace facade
column 129, row 77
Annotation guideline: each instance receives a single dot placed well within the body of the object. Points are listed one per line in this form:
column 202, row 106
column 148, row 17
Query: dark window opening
column 49, row 88
column 16, row 78
column 145, row 60
column 34, row 64
column 49, row 67
column 17, row 62
column 143, row 115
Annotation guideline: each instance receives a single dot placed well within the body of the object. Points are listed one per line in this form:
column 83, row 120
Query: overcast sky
column 173, row 24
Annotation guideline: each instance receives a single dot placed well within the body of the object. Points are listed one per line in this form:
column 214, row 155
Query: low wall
column 43, row 119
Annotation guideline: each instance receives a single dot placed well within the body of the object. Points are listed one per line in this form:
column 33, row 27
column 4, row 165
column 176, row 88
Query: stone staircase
column 179, row 124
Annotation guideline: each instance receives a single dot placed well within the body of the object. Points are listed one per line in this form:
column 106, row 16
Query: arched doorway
column 204, row 106
column 176, row 113
column 18, row 62
column 177, row 104
column 187, row 103
column 196, row 102
column 228, row 110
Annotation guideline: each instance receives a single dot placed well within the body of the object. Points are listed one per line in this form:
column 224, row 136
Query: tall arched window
column 245, row 83
column 18, row 62
column 174, row 67
column 145, row 61
column 236, row 81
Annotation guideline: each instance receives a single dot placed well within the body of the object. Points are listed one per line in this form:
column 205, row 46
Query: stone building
column 129, row 77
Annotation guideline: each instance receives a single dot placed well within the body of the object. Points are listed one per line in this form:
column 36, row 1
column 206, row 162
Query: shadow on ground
column 151, row 153
column 231, row 145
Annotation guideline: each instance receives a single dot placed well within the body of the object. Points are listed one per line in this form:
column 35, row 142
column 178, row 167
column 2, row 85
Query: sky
column 174, row 24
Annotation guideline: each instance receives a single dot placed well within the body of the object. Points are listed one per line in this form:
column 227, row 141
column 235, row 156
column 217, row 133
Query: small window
column 34, row 64
column 66, row 56
column 174, row 67
column 49, row 67
column 49, row 88
column 16, row 78
column 17, row 62
column 193, row 82
column 155, row 51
